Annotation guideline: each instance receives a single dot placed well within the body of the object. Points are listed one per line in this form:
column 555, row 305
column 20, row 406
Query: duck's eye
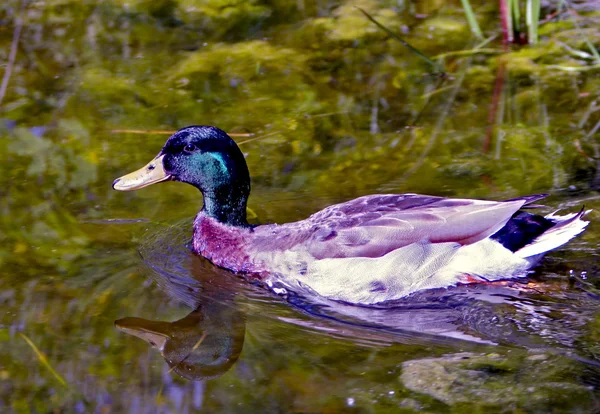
column 190, row 148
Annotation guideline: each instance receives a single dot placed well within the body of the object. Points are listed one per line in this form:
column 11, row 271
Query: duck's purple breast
column 225, row 246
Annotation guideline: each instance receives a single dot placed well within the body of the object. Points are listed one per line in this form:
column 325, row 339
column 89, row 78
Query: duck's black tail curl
column 522, row 229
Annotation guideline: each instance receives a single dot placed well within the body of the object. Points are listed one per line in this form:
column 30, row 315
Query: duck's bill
column 153, row 332
column 151, row 173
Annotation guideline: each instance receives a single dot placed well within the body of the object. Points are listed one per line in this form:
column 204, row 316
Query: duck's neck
column 226, row 206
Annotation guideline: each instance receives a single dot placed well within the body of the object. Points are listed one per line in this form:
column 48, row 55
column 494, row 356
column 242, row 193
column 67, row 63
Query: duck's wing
column 372, row 226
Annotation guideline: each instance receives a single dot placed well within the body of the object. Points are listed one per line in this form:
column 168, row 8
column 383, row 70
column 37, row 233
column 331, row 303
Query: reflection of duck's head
column 203, row 345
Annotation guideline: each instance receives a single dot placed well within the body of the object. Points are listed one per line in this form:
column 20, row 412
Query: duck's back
column 375, row 225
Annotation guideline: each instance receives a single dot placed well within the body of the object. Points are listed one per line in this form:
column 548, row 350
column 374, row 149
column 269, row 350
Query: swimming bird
column 366, row 251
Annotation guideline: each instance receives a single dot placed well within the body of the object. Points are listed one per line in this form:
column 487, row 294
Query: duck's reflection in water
column 208, row 341
column 203, row 345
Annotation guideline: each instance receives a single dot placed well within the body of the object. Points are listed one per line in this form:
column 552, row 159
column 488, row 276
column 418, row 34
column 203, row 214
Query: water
column 103, row 285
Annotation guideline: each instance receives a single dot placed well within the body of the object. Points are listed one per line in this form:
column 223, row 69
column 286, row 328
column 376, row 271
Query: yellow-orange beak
column 151, row 173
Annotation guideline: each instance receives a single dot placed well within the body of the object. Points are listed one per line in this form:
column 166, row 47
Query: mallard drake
column 369, row 250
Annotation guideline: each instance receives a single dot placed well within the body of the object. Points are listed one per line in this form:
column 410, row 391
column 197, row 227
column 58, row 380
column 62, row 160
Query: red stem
column 507, row 36
column 492, row 121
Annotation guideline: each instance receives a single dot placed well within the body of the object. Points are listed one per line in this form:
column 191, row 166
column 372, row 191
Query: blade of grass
column 515, row 17
column 439, row 124
column 407, row 45
column 44, row 360
column 587, row 286
column 436, row 91
column 589, row 44
column 532, row 19
column 503, row 108
column 142, row 131
column 479, row 48
column 189, row 353
column 270, row 134
column 12, row 55
column 575, row 68
column 165, row 132
column 485, row 42
column 580, row 150
column 593, row 107
column 469, row 53
column 577, row 53
column 438, row 87
column 251, row 214
column 471, row 19
column 592, row 133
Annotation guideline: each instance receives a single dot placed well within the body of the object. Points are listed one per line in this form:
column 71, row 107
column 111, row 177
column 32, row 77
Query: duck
column 367, row 251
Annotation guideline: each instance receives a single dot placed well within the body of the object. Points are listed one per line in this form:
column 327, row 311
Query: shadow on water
column 534, row 316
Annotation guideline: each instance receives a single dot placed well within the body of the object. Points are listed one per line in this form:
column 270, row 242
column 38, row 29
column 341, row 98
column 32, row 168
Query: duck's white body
column 418, row 266
column 384, row 247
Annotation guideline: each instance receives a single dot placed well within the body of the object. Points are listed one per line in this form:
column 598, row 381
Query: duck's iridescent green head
column 207, row 158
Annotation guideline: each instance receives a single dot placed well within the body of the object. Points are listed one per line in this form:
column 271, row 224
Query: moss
column 347, row 23
column 477, row 382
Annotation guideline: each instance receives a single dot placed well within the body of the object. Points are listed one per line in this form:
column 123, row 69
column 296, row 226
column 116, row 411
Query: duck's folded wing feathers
column 374, row 225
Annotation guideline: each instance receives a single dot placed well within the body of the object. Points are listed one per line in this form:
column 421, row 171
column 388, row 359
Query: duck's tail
column 563, row 229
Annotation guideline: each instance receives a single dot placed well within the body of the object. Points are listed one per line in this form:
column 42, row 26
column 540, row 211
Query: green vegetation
column 338, row 108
